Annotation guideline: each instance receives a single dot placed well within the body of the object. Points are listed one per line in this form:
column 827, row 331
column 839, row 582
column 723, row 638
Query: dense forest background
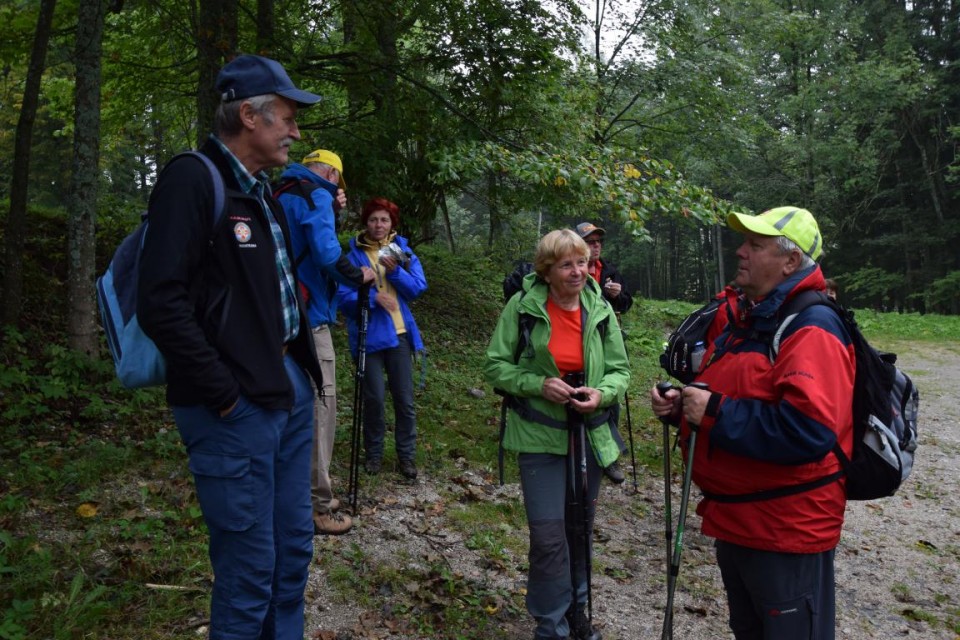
column 490, row 122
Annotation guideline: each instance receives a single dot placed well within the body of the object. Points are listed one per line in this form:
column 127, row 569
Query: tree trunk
column 493, row 210
column 929, row 171
column 216, row 43
column 266, row 28
column 20, row 181
column 442, row 200
column 721, row 280
column 81, row 240
column 673, row 272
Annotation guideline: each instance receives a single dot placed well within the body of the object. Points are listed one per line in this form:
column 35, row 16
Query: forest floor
column 897, row 564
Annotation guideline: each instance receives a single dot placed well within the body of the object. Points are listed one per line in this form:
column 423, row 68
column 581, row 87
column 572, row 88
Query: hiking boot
column 334, row 505
column 408, row 469
column 373, row 466
column 580, row 628
column 615, row 473
column 331, row 524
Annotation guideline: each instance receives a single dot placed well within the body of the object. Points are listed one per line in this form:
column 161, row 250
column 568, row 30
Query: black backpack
column 302, row 188
column 885, row 406
column 677, row 356
column 513, row 281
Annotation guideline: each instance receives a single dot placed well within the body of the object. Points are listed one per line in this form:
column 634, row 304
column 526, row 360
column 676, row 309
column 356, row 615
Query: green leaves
column 631, row 187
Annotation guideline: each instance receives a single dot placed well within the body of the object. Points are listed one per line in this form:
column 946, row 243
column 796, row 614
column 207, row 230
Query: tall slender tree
column 216, row 43
column 20, row 182
column 84, row 187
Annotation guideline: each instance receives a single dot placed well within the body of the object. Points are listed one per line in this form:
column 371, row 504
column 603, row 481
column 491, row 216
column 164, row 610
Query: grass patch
column 498, row 531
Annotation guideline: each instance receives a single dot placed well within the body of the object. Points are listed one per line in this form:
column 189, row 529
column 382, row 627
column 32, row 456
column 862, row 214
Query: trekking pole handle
column 662, row 388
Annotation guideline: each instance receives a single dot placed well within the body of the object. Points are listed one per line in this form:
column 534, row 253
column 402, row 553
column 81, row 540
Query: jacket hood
column 530, row 280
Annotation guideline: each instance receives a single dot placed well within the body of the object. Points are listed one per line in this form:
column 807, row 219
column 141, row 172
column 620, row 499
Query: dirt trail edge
column 897, row 565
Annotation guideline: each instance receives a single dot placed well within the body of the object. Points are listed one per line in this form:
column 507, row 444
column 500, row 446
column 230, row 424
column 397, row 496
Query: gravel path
column 898, row 562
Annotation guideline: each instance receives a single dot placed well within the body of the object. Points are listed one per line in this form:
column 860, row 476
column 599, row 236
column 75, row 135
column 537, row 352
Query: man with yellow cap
column 312, row 194
column 767, row 424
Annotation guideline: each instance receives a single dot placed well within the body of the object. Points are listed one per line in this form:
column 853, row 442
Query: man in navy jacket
column 221, row 304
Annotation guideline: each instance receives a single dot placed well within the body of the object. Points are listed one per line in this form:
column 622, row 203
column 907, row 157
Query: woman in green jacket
column 558, row 355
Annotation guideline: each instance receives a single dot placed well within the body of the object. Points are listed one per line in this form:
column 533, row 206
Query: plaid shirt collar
column 248, row 183
column 259, row 187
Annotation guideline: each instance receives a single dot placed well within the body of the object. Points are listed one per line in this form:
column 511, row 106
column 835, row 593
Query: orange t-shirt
column 566, row 343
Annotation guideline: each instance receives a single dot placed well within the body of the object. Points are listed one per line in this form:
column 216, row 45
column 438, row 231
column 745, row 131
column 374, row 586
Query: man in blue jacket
column 312, row 193
column 220, row 302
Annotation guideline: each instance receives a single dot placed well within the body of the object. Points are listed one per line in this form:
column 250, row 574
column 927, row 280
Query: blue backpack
column 136, row 358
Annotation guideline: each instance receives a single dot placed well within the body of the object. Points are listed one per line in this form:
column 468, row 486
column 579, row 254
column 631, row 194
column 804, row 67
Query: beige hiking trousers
column 324, row 421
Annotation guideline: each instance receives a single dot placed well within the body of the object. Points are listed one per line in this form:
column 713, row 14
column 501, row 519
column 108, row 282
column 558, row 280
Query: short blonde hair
column 555, row 245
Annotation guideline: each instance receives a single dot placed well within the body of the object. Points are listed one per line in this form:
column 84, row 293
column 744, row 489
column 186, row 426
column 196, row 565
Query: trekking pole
column 667, row 633
column 626, row 402
column 363, row 313
column 585, row 510
column 662, row 388
column 577, row 460
column 633, row 456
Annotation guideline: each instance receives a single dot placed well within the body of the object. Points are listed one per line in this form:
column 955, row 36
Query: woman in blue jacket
column 392, row 335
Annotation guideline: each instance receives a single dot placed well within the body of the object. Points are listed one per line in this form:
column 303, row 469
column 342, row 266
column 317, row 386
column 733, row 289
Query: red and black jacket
column 770, row 425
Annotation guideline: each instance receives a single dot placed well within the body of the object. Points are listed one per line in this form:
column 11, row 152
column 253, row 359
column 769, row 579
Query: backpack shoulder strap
column 603, row 326
column 219, row 190
column 793, row 307
column 302, row 188
column 525, row 322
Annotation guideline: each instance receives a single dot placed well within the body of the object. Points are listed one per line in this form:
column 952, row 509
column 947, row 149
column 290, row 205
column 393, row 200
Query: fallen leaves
column 87, row 509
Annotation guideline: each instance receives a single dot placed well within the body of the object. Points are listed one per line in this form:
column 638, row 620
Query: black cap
column 250, row 75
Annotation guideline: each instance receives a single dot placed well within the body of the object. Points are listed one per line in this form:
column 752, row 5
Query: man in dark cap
column 220, row 301
column 604, row 272
column 615, row 292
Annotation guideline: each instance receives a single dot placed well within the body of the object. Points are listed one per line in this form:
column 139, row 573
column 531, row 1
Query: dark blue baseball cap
column 250, row 75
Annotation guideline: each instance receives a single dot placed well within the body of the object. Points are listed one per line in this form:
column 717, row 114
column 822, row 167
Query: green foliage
column 874, row 286
column 52, row 383
column 19, row 613
column 475, row 518
column 943, row 295
column 908, row 326
column 631, row 188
